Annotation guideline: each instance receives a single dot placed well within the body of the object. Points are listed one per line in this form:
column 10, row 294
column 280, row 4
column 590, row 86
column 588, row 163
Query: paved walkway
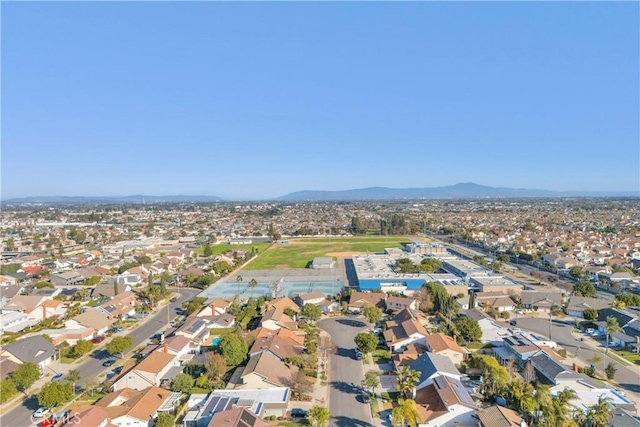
column 377, row 410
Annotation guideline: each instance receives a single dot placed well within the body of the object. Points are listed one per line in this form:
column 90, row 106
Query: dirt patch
column 343, row 254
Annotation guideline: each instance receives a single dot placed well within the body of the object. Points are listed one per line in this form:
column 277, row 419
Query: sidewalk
column 379, row 404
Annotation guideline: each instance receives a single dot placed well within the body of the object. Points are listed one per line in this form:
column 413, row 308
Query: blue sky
column 256, row 100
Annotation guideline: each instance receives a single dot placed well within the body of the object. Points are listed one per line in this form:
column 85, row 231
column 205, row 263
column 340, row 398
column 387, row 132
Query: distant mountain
column 90, row 200
column 466, row 190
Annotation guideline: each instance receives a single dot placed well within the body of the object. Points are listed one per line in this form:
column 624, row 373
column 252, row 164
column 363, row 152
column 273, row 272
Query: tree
column 90, row 384
column 164, row 419
column 555, row 310
column 576, row 272
column 372, row 313
column 290, row 312
column 407, row 380
column 496, row 378
column 406, row 412
column 81, row 348
column 610, row 370
column 366, row 342
column 371, row 380
column 469, row 329
column 252, row 284
column 585, row 288
column 11, row 244
column 54, row 394
column 311, row 311
column 7, row 389
column 300, row 384
column 319, row 414
column 238, row 281
column 73, row 376
column 233, row 348
column 216, row 365
column 207, row 252
column 600, row 413
column 590, row 314
column 182, row 383
column 193, row 305
column 26, row 374
column 611, row 327
column 119, row 345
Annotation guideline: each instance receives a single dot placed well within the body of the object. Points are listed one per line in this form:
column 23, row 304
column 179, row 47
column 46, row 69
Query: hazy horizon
column 257, row 100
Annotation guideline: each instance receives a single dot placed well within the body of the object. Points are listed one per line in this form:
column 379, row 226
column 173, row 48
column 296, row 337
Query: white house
column 445, row 402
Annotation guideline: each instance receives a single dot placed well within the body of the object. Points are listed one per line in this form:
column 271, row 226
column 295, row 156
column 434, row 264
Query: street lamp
column 549, row 324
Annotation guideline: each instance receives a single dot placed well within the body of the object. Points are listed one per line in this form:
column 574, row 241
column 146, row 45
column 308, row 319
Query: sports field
column 299, row 252
column 224, row 247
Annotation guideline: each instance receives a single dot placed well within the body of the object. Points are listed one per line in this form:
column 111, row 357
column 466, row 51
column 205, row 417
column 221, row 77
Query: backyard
column 299, row 252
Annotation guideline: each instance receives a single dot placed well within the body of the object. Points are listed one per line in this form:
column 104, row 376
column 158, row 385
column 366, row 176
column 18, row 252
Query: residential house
column 408, row 356
column 200, row 413
column 517, row 349
column 433, row 365
column 275, row 319
column 629, row 337
column 282, row 304
column 91, row 416
column 215, row 307
column 221, row 321
column 499, row 416
column 359, row 300
column 577, row 305
column 495, row 284
column 445, row 402
column 149, row 372
column 404, row 329
column 34, row 349
column 92, row 318
column 125, row 278
column 496, row 301
column 237, row 417
column 540, row 301
column 327, row 306
column 262, row 402
column 121, row 306
column 444, row 345
column 110, row 290
column 265, row 370
column 310, row 298
column 129, row 407
column 280, row 346
column 70, row 278
column 492, row 332
column 400, row 303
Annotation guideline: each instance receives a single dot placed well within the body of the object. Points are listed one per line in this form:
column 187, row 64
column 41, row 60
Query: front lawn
column 381, row 355
column 631, row 357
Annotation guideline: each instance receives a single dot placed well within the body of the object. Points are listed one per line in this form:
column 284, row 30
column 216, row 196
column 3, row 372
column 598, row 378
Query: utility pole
column 549, row 324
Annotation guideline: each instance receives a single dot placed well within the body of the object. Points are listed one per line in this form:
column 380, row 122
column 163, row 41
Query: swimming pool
column 215, row 341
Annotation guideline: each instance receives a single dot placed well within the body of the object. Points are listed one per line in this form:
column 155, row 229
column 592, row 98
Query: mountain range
column 467, row 190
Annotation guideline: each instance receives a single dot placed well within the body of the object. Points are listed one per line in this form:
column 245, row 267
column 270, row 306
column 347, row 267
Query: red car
column 97, row 340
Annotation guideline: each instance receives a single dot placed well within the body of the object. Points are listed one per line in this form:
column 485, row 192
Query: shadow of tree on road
column 346, row 387
column 348, row 422
column 352, row 323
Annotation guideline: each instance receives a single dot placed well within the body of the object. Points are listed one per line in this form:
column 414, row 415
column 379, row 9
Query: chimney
column 455, row 339
column 166, row 348
column 44, row 312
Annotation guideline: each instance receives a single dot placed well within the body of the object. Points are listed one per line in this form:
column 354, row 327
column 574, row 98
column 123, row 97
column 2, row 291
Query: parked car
column 41, row 412
column 116, row 329
column 174, row 299
column 299, row 413
column 57, row 377
column 108, row 363
column 364, row 398
column 97, row 340
column 589, row 331
column 358, row 354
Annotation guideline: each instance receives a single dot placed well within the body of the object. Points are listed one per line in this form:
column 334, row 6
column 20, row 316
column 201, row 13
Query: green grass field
column 222, row 248
column 299, row 252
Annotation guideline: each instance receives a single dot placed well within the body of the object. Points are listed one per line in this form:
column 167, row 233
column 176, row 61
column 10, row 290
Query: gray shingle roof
column 33, row 349
column 428, row 364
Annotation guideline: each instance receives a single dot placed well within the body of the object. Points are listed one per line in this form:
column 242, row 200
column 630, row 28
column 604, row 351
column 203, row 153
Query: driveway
column 627, row 377
column 346, row 374
column 20, row 416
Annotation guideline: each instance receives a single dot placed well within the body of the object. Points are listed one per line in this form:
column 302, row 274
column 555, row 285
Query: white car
column 41, row 412
column 589, row 331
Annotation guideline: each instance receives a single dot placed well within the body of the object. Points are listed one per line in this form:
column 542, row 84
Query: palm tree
column 600, row 413
column 408, row 412
column 252, row 284
column 73, row 376
column 407, row 380
column 238, row 281
column 611, row 327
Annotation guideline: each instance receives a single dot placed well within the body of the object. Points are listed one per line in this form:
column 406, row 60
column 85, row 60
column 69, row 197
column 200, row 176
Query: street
column 20, row 416
column 628, row 377
column 346, row 374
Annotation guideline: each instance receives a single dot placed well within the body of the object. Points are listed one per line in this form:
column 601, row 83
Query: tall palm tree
column 611, row 328
column 407, row 380
column 406, row 411
column 238, row 281
column 252, row 284
column 600, row 413
column 73, row 376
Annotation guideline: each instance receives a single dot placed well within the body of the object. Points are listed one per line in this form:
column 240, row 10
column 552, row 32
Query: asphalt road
column 20, row 416
column 627, row 377
column 346, row 374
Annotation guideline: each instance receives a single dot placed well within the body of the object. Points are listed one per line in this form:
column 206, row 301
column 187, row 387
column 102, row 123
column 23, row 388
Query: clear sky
column 256, row 100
